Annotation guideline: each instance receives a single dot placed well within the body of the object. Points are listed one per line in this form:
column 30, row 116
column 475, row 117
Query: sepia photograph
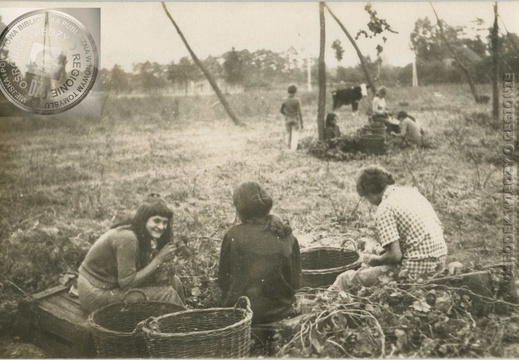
column 248, row 179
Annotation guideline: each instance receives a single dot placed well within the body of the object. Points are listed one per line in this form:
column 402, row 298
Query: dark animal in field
column 350, row 96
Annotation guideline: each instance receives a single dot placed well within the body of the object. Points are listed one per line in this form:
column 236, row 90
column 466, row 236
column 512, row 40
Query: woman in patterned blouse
column 408, row 229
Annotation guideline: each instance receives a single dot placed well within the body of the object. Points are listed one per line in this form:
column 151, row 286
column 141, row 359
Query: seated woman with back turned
column 260, row 258
column 121, row 259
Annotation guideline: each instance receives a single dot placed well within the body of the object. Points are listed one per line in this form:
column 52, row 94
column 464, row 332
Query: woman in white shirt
column 380, row 111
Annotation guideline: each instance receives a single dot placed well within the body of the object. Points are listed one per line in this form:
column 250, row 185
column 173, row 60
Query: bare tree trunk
column 321, row 105
column 363, row 62
column 495, row 73
column 456, row 58
column 206, row 73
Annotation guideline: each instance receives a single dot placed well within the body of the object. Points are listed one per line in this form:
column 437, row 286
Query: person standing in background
column 291, row 108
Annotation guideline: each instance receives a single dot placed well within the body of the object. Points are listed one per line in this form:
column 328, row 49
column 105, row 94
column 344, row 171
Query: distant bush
column 344, row 148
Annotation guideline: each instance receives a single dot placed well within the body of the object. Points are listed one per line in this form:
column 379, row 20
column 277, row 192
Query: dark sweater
column 258, row 264
column 332, row 132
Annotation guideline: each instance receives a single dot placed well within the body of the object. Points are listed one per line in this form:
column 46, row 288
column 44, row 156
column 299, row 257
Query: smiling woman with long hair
column 121, row 259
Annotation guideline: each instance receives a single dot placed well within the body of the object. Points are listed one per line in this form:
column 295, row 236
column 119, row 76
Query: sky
column 133, row 32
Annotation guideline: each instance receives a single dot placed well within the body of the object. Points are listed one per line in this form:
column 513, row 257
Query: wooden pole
column 321, row 105
column 363, row 62
column 308, row 72
column 206, row 73
column 415, row 73
column 495, row 63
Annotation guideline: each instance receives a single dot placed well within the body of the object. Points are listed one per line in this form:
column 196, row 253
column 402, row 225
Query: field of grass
column 65, row 181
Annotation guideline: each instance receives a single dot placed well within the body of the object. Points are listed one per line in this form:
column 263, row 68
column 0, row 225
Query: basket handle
column 349, row 241
column 243, row 299
column 126, row 294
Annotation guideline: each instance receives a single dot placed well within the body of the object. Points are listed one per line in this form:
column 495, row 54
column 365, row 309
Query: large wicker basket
column 114, row 327
column 321, row 265
column 214, row 333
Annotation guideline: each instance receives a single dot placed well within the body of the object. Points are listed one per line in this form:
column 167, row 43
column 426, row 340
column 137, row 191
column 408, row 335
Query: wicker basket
column 114, row 327
column 214, row 333
column 321, row 265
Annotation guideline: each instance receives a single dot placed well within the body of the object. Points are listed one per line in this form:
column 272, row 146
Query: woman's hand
column 167, row 253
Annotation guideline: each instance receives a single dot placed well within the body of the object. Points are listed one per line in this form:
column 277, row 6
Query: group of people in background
column 405, row 126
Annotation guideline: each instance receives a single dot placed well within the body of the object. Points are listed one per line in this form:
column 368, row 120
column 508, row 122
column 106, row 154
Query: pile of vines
column 345, row 148
column 397, row 320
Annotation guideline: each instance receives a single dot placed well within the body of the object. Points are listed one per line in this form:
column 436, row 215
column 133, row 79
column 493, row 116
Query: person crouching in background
column 411, row 132
column 260, row 258
column 332, row 132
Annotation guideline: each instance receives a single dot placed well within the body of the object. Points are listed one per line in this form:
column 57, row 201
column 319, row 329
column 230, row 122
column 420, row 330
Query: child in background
column 410, row 130
column 380, row 112
column 332, row 131
column 291, row 108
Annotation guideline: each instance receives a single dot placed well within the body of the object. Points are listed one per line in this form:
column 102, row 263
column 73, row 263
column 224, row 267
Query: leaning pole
column 206, row 73
column 363, row 62
column 321, row 105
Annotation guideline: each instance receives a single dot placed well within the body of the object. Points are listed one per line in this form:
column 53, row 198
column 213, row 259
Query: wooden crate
column 58, row 324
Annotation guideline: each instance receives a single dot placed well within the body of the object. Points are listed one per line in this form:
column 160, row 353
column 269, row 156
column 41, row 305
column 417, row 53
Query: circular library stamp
column 48, row 62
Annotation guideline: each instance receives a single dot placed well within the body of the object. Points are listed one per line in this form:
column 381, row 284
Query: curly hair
column 402, row 115
column 373, row 180
column 253, row 205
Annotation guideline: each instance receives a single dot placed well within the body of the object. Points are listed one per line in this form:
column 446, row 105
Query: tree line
column 258, row 69
column 264, row 69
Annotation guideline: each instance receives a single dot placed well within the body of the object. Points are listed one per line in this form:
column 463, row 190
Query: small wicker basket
column 204, row 333
column 321, row 265
column 114, row 327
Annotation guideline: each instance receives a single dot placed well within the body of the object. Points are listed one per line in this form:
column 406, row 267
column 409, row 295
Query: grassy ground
column 65, row 181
